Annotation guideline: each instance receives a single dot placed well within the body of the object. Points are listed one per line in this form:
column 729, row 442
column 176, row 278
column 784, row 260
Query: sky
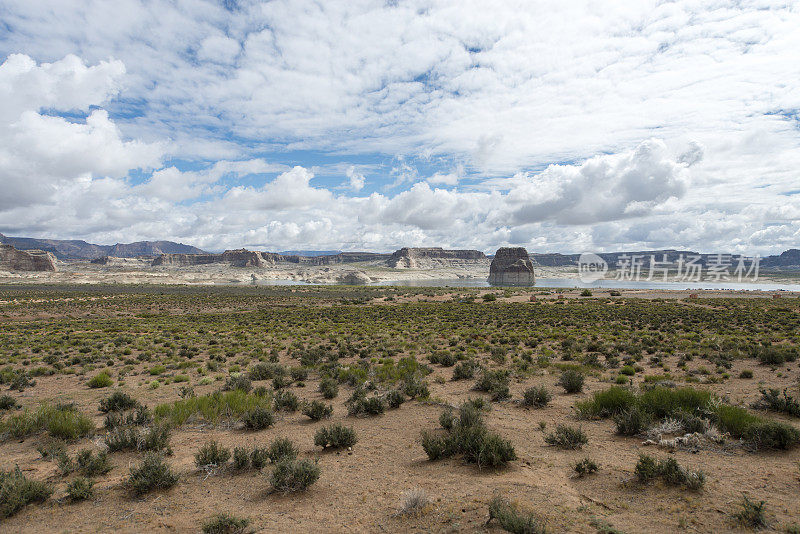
column 372, row 125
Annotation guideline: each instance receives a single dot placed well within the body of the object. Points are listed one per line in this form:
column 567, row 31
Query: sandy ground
column 361, row 490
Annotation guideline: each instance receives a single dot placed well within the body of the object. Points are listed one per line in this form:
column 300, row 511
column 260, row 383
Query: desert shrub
column 649, row 469
column 586, row 293
column 752, row 515
column 17, row 491
column 101, row 380
column 7, row 402
column 139, row 417
column 238, row 382
column 258, row 418
column 266, row 371
column 746, row 373
column 772, row 399
column 571, row 381
column 124, row 438
column 259, row 457
column 317, row 410
column 537, row 397
column 414, row 502
column 282, row 449
column 664, row 402
column 607, row 403
column 416, row 388
column 465, row 370
column 152, row 474
column 395, row 398
column 286, row 400
column 80, row 489
column 211, row 454
column 329, row 388
column 469, row 436
column 369, row 406
column 495, row 383
column 60, row 421
column 294, row 475
column 213, row 408
column 118, row 402
column 511, row 519
column 225, row 523
column 567, row 437
column 335, row 436
column 587, row 466
column 241, row 458
column 632, row 421
column 757, row 432
column 90, row 465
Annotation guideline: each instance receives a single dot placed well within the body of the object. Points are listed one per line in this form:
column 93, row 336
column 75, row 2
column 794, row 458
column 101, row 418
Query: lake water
column 571, row 283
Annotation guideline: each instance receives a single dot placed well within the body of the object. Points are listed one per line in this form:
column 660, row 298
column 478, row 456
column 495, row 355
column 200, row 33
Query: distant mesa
column 81, row 250
column 431, row 258
column 511, row 267
column 12, row 259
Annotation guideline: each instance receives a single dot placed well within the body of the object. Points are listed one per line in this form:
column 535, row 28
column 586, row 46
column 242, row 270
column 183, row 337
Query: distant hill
column 785, row 260
column 76, row 249
column 309, row 253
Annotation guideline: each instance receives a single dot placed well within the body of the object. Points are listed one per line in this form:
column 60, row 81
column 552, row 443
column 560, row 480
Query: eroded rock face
column 12, row 259
column 431, row 258
column 355, row 278
column 511, row 267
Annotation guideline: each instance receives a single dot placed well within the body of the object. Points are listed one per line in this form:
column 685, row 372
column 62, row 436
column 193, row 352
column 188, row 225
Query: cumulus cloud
column 268, row 115
column 39, row 153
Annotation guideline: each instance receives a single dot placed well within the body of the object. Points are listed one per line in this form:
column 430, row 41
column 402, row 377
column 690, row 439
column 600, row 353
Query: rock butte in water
column 511, row 267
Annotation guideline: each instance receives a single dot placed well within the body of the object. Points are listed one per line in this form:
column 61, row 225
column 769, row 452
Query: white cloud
column 547, row 108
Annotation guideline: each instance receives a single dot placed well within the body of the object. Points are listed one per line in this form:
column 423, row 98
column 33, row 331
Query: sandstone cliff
column 250, row 258
column 12, row 259
column 431, row 258
column 511, row 267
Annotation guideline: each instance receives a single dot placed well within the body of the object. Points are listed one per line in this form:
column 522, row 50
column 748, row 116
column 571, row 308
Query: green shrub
column 17, row 491
column 266, row 371
column 294, row 475
column 627, row 370
column 335, row 436
column 238, row 382
column 152, row 474
column 607, row 403
column 329, row 388
column 258, row 418
column 101, row 380
column 7, row 402
column 664, row 402
column 757, row 432
column 746, row 373
column 537, row 397
column 90, row 465
column 118, row 402
column 469, row 436
column 511, row 519
column 211, row 454
column 225, row 523
column 648, row 469
column 567, row 437
column 126, row 438
column 495, row 383
column 241, row 458
column 317, row 410
column 772, row 399
column 586, row 293
column 632, row 421
column 60, row 421
column 282, row 449
column 587, row 466
column 464, row 370
column 259, row 457
column 752, row 515
column 571, row 381
column 80, row 489
column 286, row 400
column 395, row 398
column 212, row 408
